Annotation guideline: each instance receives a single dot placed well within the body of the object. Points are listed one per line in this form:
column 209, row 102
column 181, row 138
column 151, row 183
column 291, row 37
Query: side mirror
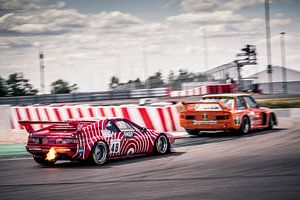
column 144, row 129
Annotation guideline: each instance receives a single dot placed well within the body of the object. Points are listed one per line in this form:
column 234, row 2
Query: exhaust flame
column 51, row 154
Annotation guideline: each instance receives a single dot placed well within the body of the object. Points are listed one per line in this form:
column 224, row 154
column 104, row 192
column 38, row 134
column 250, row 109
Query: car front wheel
column 271, row 122
column 245, row 126
column 162, row 145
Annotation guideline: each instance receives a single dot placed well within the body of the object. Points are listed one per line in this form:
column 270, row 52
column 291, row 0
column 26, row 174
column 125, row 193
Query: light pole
column 42, row 70
column 283, row 64
column 268, row 42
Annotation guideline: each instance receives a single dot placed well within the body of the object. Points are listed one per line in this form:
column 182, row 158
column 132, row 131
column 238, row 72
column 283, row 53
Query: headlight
column 237, row 119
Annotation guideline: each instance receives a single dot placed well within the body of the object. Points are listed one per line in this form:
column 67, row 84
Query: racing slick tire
column 42, row 161
column 245, row 126
column 192, row 131
column 271, row 121
column 162, row 145
column 99, row 153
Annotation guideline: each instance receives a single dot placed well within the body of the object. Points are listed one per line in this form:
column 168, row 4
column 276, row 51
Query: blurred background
column 74, row 46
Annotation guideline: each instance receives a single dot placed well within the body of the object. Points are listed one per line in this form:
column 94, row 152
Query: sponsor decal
column 80, row 150
column 106, row 133
column 128, row 133
column 115, row 146
column 196, row 122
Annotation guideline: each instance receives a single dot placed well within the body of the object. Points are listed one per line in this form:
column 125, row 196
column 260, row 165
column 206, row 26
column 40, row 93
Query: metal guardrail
column 84, row 97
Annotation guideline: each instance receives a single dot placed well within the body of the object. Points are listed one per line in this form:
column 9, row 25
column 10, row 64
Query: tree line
column 156, row 80
column 17, row 85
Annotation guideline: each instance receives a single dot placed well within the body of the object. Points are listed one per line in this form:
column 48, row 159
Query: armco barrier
column 86, row 96
column 158, row 118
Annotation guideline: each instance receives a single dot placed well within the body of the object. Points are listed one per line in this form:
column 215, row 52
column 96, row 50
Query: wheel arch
column 272, row 114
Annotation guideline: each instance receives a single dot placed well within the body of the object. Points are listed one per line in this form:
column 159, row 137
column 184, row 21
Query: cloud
column 26, row 5
column 199, row 6
column 240, row 4
column 207, row 18
column 112, row 20
column 48, row 21
column 196, row 6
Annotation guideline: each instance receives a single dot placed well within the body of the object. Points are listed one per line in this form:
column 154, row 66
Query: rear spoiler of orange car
column 186, row 104
column 54, row 125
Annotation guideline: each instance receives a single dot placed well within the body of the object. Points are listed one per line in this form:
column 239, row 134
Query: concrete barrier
column 4, row 117
column 164, row 119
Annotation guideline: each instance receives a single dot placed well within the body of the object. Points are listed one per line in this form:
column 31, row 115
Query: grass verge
column 280, row 103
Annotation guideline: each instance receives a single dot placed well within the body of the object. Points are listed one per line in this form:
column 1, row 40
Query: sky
column 87, row 42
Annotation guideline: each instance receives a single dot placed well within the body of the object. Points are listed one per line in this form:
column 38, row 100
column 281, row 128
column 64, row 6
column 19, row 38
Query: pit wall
column 165, row 119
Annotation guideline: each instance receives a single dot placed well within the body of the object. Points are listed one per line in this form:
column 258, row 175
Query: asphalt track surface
column 262, row 165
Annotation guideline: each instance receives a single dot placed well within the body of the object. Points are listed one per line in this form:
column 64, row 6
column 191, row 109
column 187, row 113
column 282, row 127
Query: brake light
column 32, row 140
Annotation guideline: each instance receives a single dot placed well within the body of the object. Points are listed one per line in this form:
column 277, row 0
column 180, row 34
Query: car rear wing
column 219, row 106
column 31, row 126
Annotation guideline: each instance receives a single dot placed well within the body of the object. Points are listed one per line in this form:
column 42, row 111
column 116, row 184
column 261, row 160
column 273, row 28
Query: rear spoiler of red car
column 65, row 125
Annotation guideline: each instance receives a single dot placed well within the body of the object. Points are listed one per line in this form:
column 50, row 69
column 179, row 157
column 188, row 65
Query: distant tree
column 171, row 77
column 3, row 87
column 17, row 85
column 62, row 87
column 155, row 81
column 114, row 82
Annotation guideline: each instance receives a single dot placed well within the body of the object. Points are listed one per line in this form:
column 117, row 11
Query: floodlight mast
column 42, row 70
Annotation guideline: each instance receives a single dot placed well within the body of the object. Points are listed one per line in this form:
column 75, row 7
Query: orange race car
column 228, row 112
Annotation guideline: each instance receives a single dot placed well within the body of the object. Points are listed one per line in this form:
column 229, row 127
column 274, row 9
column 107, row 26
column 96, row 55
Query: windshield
column 227, row 101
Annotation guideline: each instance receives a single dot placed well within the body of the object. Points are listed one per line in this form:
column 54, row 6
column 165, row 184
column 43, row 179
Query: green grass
column 12, row 150
column 280, row 103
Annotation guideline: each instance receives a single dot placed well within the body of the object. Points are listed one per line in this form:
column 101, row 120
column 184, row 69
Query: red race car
column 92, row 140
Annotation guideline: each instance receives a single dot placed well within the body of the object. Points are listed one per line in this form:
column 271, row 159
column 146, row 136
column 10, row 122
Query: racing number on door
column 114, row 146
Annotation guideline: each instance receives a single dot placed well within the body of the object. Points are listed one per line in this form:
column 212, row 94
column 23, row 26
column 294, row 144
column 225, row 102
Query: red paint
column 146, row 118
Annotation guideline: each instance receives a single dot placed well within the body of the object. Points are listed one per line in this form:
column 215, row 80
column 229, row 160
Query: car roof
column 94, row 119
column 233, row 95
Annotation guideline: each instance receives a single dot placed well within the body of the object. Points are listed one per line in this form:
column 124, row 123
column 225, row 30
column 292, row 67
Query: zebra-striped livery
column 121, row 136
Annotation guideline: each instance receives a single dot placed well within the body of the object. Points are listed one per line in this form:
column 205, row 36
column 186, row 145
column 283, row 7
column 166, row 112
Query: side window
column 124, row 126
column 111, row 127
column 250, row 102
column 240, row 103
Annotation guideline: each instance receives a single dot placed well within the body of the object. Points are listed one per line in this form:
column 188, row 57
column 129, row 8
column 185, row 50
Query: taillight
column 32, row 140
column 221, row 117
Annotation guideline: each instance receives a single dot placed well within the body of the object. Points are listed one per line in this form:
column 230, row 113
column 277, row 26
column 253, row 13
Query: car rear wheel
column 162, row 145
column 99, row 153
column 271, row 122
column 245, row 126
column 42, row 161
column 192, row 131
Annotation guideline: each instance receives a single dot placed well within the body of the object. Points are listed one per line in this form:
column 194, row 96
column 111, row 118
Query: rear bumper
column 62, row 152
column 209, row 125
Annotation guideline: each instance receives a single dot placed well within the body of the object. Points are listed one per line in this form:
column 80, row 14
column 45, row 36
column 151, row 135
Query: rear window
column 227, row 101
column 210, row 106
